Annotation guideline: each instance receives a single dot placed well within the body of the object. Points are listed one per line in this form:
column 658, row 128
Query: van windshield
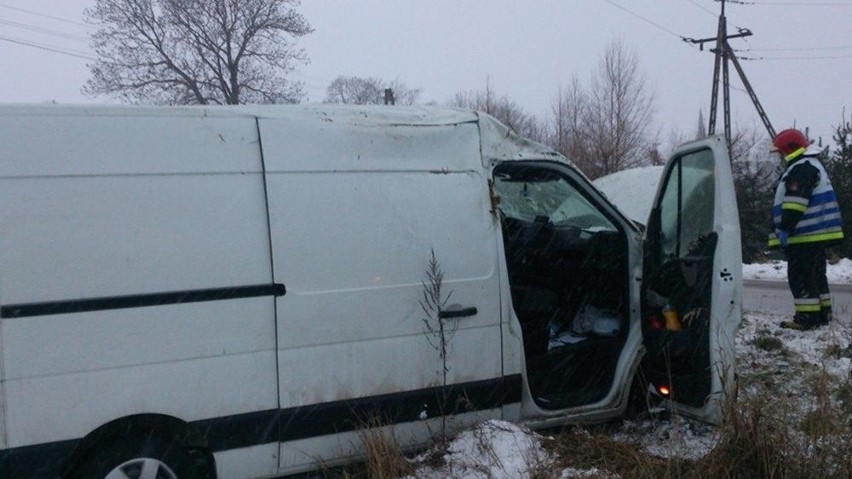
column 528, row 194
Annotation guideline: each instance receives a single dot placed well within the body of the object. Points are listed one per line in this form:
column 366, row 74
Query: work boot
column 801, row 323
column 793, row 325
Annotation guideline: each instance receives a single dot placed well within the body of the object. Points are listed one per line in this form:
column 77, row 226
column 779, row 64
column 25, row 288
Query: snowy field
column 502, row 450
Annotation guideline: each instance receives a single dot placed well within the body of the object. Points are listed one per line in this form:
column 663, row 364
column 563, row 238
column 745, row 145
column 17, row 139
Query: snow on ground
column 838, row 273
column 502, row 450
column 494, row 449
column 772, row 362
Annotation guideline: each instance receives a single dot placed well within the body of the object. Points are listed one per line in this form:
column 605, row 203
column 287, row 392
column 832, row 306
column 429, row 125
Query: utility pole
column 724, row 53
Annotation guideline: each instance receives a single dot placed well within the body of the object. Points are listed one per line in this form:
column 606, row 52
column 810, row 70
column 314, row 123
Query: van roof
column 362, row 115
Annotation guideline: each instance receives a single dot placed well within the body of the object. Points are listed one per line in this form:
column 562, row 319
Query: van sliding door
column 355, row 220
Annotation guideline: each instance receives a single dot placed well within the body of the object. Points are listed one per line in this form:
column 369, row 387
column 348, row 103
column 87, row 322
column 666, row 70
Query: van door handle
column 457, row 311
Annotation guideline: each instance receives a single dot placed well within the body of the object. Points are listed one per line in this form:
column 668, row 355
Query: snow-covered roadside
column 838, row 273
column 773, row 364
column 783, row 374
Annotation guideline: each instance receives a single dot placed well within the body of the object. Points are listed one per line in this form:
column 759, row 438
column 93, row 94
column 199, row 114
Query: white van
column 235, row 292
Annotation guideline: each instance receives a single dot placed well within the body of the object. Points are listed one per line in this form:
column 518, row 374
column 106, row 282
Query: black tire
column 139, row 458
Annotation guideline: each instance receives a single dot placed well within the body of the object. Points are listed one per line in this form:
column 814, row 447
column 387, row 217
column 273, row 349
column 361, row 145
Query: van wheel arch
column 142, row 428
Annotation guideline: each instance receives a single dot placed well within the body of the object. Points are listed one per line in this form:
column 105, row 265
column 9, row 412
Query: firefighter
column 806, row 218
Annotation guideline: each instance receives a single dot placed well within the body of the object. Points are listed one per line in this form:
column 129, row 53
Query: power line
column 713, row 13
column 646, row 20
column 45, row 15
column 783, row 3
column 49, row 48
column 703, row 8
column 803, row 49
column 823, row 57
column 48, row 31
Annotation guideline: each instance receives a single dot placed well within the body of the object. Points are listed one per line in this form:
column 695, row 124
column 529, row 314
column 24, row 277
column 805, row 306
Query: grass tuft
column 768, row 343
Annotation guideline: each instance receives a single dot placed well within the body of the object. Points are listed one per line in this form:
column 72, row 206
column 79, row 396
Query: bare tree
column 620, row 113
column 368, row 91
column 568, row 132
column 503, row 109
column 196, row 51
column 605, row 128
column 404, row 94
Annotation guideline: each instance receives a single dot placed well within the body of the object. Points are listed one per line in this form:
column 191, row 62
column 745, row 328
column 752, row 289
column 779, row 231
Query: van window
column 686, row 208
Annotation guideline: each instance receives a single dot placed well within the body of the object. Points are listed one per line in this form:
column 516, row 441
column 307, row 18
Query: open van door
column 692, row 281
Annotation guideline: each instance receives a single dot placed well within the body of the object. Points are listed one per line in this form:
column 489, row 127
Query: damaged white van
column 235, row 292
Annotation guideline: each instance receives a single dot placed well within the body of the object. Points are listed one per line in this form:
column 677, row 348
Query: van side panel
column 103, row 210
column 3, row 441
column 355, row 213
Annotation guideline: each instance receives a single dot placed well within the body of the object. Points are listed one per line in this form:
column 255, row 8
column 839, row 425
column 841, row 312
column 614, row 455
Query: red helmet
column 789, row 141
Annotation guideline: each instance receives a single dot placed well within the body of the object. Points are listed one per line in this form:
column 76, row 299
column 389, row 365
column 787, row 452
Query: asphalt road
column 775, row 297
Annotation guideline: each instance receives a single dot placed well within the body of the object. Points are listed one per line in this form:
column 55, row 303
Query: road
column 774, row 297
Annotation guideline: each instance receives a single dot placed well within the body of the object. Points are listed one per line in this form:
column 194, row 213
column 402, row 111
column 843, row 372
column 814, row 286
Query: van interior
column 568, row 272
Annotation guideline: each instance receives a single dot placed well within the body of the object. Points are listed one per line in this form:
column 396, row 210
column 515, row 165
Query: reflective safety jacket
column 805, row 204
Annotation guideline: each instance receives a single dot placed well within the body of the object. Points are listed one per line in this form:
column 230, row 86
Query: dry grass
column 383, row 455
column 761, row 437
column 583, row 449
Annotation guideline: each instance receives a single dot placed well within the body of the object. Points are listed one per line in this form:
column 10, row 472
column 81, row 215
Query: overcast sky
column 526, row 48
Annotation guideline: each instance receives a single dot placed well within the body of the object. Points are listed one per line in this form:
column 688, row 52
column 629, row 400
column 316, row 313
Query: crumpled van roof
column 362, row 115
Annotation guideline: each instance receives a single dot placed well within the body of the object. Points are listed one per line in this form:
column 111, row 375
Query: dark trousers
column 808, row 283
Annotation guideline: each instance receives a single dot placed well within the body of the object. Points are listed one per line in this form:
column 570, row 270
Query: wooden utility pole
column 724, row 53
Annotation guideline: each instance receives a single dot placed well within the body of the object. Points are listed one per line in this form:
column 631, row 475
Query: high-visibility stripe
column 789, row 205
column 806, row 300
column 808, row 238
column 808, row 308
column 796, row 199
column 795, row 154
column 814, row 238
column 813, row 229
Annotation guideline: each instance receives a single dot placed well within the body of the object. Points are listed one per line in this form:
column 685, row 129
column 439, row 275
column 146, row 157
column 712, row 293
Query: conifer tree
column 839, row 168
